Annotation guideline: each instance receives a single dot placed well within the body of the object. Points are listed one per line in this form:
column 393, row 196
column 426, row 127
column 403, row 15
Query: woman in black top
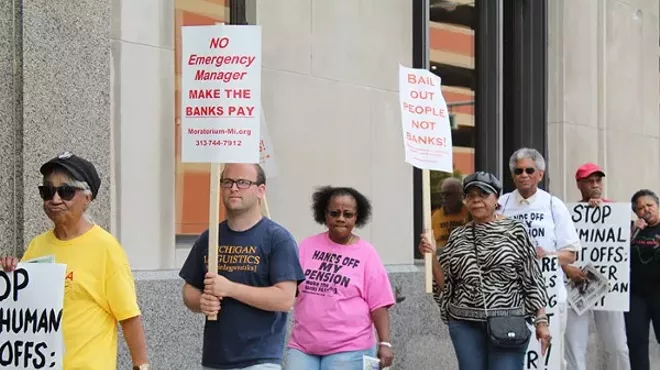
column 644, row 278
column 488, row 268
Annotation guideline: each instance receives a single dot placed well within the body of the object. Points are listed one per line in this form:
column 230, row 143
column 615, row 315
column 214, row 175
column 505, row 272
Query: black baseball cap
column 483, row 180
column 79, row 168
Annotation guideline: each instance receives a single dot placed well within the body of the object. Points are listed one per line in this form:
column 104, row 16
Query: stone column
column 66, row 96
column 11, row 208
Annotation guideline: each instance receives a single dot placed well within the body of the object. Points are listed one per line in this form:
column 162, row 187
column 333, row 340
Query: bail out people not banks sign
column 553, row 356
column 605, row 237
column 425, row 120
column 221, row 94
column 31, row 300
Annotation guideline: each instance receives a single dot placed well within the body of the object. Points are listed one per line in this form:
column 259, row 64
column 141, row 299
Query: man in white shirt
column 546, row 217
column 611, row 326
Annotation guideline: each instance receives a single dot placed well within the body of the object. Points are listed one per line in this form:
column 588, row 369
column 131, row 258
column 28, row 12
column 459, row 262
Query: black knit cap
column 79, row 168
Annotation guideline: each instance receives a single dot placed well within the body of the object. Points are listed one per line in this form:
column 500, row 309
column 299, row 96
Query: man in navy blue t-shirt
column 256, row 282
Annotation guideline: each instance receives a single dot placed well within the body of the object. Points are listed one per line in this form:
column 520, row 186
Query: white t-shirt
column 547, row 220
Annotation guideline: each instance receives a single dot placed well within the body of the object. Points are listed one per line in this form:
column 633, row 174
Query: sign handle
column 426, row 206
column 264, row 207
column 214, row 221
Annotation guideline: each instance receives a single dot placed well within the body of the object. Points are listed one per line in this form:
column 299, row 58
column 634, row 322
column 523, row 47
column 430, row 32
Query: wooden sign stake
column 214, row 221
column 426, row 207
column 264, row 207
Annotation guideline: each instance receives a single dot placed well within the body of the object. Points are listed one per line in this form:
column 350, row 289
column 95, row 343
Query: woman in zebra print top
column 506, row 274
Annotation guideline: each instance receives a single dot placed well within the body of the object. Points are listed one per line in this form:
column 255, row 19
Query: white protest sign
column 425, row 120
column 605, row 237
column 220, row 94
column 31, row 299
column 266, row 152
column 553, row 356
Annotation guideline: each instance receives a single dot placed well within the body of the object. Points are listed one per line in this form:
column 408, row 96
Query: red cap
column 587, row 170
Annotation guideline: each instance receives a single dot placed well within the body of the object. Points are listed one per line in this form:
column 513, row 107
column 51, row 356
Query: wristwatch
column 141, row 367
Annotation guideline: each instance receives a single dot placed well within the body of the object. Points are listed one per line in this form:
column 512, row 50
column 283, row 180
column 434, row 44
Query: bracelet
column 540, row 321
column 386, row 344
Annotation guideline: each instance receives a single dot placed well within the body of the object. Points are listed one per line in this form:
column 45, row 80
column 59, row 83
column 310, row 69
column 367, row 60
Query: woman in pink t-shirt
column 346, row 292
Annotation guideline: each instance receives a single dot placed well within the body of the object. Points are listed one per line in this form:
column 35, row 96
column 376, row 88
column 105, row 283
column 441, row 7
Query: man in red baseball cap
column 589, row 179
column 610, row 325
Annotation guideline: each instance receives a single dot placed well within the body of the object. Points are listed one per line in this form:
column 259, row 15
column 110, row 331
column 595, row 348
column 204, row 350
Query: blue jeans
column 297, row 360
column 475, row 351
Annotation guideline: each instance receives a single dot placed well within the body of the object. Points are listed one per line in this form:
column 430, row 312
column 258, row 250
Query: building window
column 451, row 56
column 192, row 179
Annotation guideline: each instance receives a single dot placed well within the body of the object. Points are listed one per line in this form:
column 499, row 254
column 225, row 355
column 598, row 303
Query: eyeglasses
column 336, row 214
column 240, row 183
column 528, row 170
column 66, row 192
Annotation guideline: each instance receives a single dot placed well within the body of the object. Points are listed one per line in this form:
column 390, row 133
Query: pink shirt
column 343, row 285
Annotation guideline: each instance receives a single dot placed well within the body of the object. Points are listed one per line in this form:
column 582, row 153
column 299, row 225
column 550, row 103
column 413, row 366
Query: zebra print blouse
column 512, row 280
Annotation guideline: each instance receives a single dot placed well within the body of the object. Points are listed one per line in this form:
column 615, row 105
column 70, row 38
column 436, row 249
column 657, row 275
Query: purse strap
column 476, row 254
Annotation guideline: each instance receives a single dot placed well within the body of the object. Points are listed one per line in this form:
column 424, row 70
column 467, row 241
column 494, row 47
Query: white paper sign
column 370, row 363
column 605, row 237
column 31, row 300
column 220, row 94
column 266, row 152
column 553, row 356
column 425, row 120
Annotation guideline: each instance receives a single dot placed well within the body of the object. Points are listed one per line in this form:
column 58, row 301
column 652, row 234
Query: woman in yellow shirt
column 99, row 290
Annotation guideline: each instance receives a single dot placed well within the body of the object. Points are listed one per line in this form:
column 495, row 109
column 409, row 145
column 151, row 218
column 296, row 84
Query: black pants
column 644, row 309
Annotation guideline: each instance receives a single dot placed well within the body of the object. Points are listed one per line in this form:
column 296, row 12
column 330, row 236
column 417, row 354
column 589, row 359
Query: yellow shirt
column 444, row 224
column 98, row 291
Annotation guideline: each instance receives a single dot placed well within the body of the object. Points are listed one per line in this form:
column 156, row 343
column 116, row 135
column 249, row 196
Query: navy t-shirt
column 262, row 256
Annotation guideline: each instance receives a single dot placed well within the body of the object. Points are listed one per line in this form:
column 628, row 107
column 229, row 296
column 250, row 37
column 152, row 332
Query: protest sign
column 425, row 120
column 426, row 137
column 220, row 94
column 220, row 105
column 31, row 300
column 605, row 238
column 553, row 356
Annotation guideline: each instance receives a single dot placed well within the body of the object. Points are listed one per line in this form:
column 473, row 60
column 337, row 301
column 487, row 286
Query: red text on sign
column 221, row 60
column 218, row 143
column 423, row 95
column 424, row 125
column 238, row 93
column 219, row 131
column 226, row 77
column 426, row 139
column 204, row 94
column 219, row 111
column 420, row 80
column 217, row 94
column 219, row 43
column 420, row 109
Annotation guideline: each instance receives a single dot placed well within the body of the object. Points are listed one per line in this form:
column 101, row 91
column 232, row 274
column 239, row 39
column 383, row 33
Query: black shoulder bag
column 503, row 331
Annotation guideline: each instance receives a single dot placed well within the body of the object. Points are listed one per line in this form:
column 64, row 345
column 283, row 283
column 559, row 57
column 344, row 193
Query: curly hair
column 323, row 195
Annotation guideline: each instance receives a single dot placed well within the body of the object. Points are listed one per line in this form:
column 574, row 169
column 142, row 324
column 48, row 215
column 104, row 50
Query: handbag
column 509, row 332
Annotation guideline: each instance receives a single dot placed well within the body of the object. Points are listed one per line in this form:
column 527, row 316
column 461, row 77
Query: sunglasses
column 66, row 192
column 336, row 214
column 528, row 170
